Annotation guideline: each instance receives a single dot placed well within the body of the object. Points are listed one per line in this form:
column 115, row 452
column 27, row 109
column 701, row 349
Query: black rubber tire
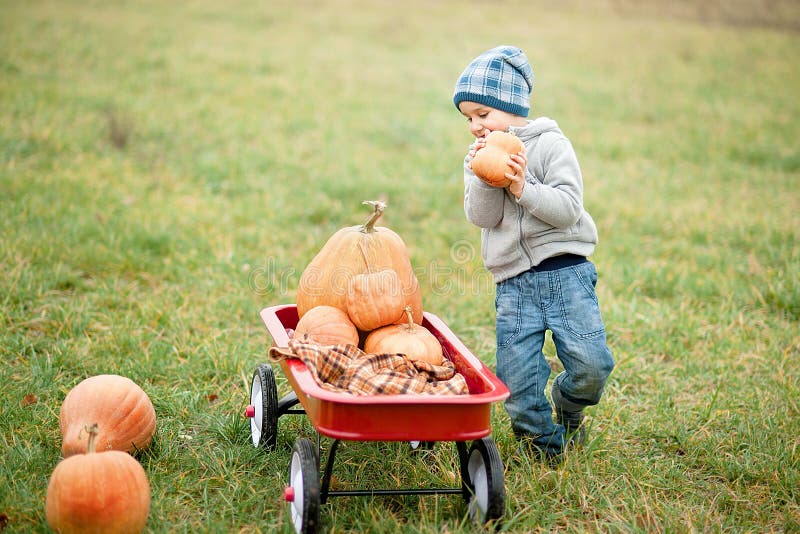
column 264, row 398
column 304, row 480
column 484, row 479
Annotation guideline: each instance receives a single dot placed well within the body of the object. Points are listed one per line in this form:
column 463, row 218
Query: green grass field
column 167, row 169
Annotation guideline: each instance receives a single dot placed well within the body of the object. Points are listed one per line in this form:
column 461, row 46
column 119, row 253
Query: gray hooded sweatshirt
column 548, row 219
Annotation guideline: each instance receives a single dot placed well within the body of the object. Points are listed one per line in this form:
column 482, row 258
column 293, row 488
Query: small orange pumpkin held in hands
column 98, row 492
column 123, row 411
column 327, row 325
column 411, row 339
column 490, row 163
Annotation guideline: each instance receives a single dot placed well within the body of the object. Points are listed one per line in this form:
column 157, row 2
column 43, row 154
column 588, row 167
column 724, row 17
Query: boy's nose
column 475, row 129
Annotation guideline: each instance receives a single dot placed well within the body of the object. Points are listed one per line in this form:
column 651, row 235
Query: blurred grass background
column 168, row 169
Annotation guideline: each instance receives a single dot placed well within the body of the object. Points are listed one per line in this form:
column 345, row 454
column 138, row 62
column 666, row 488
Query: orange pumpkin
column 122, row 410
column 491, row 163
column 326, row 279
column 374, row 299
column 411, row 339
column 327, row 325
column 98, row 492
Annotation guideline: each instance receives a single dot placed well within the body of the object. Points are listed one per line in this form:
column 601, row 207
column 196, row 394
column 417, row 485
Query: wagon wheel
column 486, row 496
column 303, row 493
column 263, row 409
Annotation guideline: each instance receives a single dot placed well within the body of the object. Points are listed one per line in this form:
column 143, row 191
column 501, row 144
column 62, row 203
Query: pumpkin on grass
column 327, row 325
column 490, row 163
column 122, row 410
column 326, row 279
column 374, row 299
column 411, row 339
column 98, row 492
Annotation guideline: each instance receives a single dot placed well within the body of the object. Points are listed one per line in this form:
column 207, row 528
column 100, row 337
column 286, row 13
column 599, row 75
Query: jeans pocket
column 507, row 304
column 580, row 308
column 586, row 273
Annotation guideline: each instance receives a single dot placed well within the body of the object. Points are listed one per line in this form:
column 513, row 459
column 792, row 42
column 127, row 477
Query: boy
column 535, row 240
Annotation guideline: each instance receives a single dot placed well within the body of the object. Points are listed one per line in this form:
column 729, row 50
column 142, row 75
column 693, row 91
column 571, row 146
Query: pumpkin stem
column 92, row 430
column 379, row 206
column 410, row 316
column 364, row 255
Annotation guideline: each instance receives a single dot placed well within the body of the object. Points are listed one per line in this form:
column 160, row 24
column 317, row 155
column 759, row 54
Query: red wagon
column 417, row 419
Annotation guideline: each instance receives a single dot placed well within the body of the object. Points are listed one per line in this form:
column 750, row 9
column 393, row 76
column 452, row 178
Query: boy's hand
column 518, row 163
column 477, row 145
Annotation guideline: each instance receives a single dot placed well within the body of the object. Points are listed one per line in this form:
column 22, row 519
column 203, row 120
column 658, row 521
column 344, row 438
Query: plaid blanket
column 348, row 369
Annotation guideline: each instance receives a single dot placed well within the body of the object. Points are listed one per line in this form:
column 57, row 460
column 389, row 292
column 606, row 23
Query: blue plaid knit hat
column 501, row 78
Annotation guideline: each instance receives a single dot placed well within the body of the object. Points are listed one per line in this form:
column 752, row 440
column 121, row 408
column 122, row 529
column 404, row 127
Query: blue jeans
column 562, row 301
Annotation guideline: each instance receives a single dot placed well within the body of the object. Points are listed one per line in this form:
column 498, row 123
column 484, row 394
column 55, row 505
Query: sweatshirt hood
column 535, row 128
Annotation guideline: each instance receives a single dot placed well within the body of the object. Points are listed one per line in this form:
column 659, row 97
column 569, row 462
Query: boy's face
column 483, row 119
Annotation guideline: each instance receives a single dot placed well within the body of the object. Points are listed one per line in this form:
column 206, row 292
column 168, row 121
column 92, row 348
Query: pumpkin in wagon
column 327, row 325
column 352, row 251
column 374, row 299
column 409, row 338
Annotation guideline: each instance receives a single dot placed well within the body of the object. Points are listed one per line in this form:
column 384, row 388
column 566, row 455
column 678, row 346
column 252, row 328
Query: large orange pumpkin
column 98, row 492
column 325, row 281
column 490, row 163
column 327, row 325
column 122, row 410
column 411, row 339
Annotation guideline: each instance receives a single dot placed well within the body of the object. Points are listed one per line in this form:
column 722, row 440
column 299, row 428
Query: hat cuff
column 491, row 101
